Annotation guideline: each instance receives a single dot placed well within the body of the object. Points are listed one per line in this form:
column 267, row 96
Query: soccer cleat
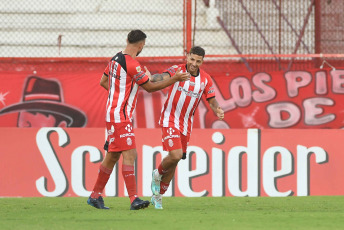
column 157, row 201
column 155, row 185
column 139, row 204
column 97, row 202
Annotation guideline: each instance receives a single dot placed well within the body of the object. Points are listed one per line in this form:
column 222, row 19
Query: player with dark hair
column 177, row 117
column 122, row 77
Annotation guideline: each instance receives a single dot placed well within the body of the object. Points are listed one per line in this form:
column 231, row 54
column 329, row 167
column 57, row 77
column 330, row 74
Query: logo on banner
column 129, row 141
column 42, row 106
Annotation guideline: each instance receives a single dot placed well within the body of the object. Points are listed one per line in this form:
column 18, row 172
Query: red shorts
column 173, row 139
column 120, row 136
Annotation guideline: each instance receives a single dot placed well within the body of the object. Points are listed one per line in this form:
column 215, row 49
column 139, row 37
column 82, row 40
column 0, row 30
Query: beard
column 138, row 53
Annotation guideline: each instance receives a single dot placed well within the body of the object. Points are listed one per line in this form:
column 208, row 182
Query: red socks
column 103, row 177
column 130, row 181
column 161, row 170
column 163, row 187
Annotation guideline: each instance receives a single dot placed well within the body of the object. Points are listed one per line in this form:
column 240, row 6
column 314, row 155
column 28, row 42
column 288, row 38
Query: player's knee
column 176, row 155
column 115, row 156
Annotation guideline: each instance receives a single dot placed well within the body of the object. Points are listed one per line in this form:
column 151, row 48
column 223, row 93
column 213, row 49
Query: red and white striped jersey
column 183, row 99
column 125, row 76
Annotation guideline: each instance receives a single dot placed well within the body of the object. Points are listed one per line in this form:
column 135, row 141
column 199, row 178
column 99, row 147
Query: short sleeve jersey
column 125, row 75
column 183, row 99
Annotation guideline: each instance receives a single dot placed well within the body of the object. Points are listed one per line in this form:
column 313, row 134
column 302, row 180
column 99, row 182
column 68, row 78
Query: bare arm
column 159, row 77
column 104, row 82
column 150, row 86
column 214, row 105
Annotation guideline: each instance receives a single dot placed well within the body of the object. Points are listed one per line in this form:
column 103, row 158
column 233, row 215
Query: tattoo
column 157, row 77
column 160, row 77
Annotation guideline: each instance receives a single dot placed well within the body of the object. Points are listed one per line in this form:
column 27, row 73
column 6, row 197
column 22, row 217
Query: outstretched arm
column 104, row 82
column 159, row 77
column 214, row 105
column 150, row 86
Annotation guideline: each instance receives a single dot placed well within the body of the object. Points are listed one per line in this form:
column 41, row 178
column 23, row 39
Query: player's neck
column 131, row 51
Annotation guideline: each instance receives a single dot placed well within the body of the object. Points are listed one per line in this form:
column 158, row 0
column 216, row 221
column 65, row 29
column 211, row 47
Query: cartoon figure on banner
column 42, row 106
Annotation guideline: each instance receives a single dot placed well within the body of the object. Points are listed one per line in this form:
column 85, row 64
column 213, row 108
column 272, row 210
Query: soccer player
column 122, row 77
column 177, row 117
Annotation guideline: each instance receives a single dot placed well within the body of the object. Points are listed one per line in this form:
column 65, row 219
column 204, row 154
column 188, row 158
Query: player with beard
column 177, row 117
column 122, row 78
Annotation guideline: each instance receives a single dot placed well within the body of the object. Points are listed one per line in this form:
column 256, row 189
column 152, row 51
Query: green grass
column 178, row 213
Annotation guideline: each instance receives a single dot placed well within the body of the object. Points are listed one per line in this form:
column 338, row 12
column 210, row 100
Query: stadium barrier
column 271, row 96
column 233, row 162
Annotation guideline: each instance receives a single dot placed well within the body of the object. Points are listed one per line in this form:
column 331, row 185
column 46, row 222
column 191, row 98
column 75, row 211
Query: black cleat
column 139, row 204
column 97, row 203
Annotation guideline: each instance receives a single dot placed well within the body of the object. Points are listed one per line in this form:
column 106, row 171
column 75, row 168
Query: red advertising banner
column 50, row 94
column 233, row 162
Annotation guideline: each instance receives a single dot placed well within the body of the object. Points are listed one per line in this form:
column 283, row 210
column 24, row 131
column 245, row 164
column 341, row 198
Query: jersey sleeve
column 172, row 70
column 134, row 69
column 106, row 71
column 209, row 90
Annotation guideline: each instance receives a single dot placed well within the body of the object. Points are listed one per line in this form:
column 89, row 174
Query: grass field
column 178, row 213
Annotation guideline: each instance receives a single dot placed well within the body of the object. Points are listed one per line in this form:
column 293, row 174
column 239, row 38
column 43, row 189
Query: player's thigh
column 176, row 154
column 129, row 156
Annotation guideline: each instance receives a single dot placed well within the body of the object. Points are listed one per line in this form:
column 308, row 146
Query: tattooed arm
column 166, row 80
column 159, row 77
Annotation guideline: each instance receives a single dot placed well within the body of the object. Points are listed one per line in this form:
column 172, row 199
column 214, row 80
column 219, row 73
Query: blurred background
column 96, row 28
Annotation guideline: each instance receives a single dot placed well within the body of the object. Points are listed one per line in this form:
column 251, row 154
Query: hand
column 181, row 76
column 219, row 112
column 148, row 73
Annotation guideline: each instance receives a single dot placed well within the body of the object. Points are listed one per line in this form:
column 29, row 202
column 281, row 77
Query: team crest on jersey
column 170, row 142
column 175, row 66
column 129, row 141
column 138, row 69
column 202, row 86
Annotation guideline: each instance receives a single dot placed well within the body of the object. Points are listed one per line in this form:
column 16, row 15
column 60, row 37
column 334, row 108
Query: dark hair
column 135, row 36
column 198, row 51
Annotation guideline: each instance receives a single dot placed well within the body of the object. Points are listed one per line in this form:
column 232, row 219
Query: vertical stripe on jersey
column 112, row 91
column 196, row 105
column 167, row 112
column 132, row 100
column 180, row 104
column 191, row 105
column 121, row 95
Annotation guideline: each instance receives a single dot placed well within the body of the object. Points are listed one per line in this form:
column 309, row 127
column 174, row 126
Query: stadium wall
column 55, row 162
column 306, row 97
